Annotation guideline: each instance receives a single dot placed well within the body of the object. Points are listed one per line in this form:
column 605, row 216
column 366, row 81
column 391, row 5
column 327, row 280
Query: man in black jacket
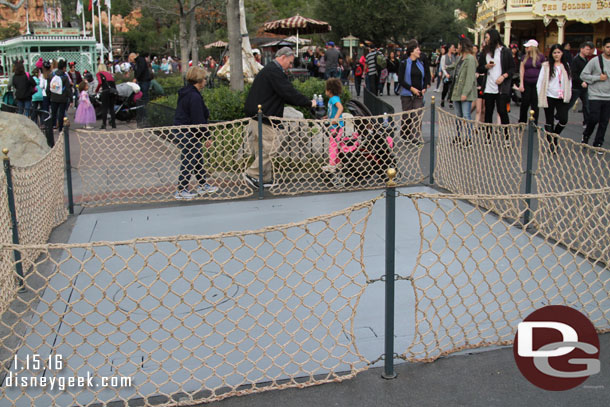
column 271, row 89
column 579, row 87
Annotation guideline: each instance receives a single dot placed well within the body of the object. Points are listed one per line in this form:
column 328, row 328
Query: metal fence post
column 529, row 172
column 432, row 139
column 68, row 165
column 261, row 187
column 11, row 206
column 390, row 250
column 48, row 130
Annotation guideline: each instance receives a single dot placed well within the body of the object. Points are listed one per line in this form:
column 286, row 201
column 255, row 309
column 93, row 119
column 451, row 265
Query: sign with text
column 57, row 31
column 585, row 11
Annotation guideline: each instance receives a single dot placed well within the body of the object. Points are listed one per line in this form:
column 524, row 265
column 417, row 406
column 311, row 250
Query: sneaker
column 450, row 105
column 206, row 189
column 329, row 168
column 584, row 140
column 442, row 103
column 184, row 194
column 253, row 182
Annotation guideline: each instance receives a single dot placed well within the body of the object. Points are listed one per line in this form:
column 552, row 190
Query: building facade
column 547, row 21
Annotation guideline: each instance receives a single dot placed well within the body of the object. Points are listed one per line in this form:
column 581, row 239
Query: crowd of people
column 45, row 94
column 469, row 80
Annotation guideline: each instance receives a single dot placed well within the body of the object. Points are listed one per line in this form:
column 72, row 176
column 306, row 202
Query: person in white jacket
column 554, row 92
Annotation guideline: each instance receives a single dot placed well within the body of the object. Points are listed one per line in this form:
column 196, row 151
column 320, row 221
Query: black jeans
column 529, row 101
column 191, row 160
column 358, row 84
column 58, row 111
column 499, row 101
column 583, row 94
column 599, row 113
column 372, row 82
column 446, row 86
column 557, row 107
column 108, row 100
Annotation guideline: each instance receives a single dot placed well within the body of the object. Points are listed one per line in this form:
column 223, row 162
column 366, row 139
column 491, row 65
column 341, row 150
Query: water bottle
column 320, row 101
column 385, row 120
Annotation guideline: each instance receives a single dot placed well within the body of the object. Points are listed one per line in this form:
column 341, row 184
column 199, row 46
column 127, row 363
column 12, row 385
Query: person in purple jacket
column 191, row 110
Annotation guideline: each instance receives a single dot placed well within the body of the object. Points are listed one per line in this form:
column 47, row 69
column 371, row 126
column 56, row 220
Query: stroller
column 365, row 148
column 126, row 102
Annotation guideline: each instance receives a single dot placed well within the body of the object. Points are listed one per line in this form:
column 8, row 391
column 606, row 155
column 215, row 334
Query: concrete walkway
column 491, row 378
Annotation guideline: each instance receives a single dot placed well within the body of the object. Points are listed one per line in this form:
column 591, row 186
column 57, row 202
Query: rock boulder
column 25, row 141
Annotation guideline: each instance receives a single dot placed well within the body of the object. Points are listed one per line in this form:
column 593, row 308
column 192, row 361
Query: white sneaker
column 206, row 189
column 184, row 194
column 329, row 168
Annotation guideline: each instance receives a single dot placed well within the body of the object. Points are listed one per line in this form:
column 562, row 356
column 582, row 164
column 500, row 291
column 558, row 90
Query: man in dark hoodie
column 191, row 110
column 271, row 89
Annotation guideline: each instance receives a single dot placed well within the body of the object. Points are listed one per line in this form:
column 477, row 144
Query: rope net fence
column 478, row 158
column 317, row 156
column 38, row 191
column 191, row 318
column 151, row 165
column 565, row 165
column 479, row 272
column 39, row 197
column 7, row 273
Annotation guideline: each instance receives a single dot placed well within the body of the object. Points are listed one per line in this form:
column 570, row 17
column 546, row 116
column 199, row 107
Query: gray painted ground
column 170, row 338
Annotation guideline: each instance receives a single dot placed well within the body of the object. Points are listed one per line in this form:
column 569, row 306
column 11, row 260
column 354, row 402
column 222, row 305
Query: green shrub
column 173, row 80
column 226, row 105
column 316, row 86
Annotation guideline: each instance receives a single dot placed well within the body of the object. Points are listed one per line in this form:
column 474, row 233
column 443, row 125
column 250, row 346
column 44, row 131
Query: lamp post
column 350, row 41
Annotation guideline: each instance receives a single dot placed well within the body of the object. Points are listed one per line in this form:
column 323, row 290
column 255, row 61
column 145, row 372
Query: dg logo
column 556, row 348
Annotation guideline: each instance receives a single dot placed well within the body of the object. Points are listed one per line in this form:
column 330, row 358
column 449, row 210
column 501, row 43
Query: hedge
column 226, row 105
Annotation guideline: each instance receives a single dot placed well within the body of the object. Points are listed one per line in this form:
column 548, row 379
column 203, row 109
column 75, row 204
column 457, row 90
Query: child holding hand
column 335, row 113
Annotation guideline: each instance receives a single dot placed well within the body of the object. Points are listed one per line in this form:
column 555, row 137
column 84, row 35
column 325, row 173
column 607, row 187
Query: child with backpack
column 335, row 113
column 85, row 112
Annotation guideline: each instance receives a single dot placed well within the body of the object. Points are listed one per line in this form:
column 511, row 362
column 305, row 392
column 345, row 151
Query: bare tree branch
column 15, row 7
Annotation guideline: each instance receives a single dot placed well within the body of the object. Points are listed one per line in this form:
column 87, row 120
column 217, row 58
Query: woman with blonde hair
column 528, row 74
column 191, row 110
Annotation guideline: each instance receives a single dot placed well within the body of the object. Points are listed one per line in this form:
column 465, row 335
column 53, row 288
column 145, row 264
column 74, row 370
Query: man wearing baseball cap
column 332, row 56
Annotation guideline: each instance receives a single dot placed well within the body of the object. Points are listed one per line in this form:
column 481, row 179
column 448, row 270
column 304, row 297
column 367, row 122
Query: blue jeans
column 462, row 109
column 23, row 107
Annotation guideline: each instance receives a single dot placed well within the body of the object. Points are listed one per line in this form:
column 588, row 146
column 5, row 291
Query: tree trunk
column 194, row 45
column 235, row 46
column 184, row 46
